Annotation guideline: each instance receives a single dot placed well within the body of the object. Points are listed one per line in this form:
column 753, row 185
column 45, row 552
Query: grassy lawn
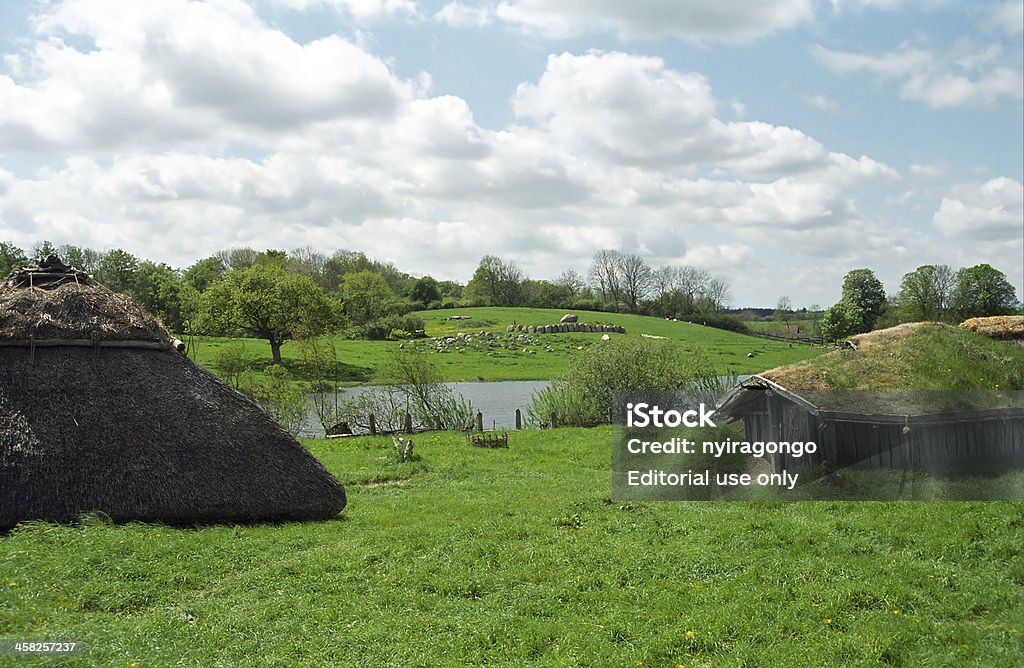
column 358, row 359
column 519, row 558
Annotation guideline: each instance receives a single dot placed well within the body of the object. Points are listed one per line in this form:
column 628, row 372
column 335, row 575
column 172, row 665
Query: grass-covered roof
column 914, row 356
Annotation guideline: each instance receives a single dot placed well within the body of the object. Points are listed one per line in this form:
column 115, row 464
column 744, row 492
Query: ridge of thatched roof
column 997, row 327
column 53, row 302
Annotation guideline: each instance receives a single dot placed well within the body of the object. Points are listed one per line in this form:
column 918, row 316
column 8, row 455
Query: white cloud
column 821, row 102
column 174, row 129
column 169, row 71
column 360, row 10
column 459, row 15
column 932, row 171
column 992, row 211
column 1009, row 17
column 696, row 19
column 930, row 79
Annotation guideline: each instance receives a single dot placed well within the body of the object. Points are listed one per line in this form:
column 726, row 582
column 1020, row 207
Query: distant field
column 776, row 327
column 358, row 359
column 519, row 557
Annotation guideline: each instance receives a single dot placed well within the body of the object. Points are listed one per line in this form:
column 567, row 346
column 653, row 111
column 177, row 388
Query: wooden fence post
column 479, row 421
column 373, row 425
column 408, row 423
column 519, row 419
column 554, row 420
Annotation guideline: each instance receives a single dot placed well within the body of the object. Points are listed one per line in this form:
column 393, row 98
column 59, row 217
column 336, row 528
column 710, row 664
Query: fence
column 342, row 430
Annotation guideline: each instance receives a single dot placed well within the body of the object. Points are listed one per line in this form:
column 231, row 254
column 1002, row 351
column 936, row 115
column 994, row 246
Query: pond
column 497, row 400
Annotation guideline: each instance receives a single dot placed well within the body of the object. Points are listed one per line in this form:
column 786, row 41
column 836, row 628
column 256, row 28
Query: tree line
column 278, row 295
column 932, row 292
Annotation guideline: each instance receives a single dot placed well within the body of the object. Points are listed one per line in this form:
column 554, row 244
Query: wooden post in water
column 554, row 420
column 437, row 423
column 519, row 419
column 408, row 423
column 479, row 421
column 373, row 425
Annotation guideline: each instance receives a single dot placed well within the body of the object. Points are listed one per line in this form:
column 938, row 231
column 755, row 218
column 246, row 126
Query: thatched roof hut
column 99, row 413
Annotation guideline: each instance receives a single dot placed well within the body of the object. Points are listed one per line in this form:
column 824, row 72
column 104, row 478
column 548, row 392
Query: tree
column 86, row 259
column 117, row 270
column 982, row 290
column 238, row 258
column 11, row 258
column 426, row 291
column 925, row 292
column 573, row 283
column 157, row 288
column 865, row 292
column 604, row 275
column 204, row 272
column 43, row 250
column 496, row 282
column 266, row 302
column 841, row 320
column 635, row 276
column 367, row 297
column 783, row 310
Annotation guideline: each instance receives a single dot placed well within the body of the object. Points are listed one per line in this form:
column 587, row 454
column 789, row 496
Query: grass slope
column 919, row 356
column 358, row 359
column 519, row 558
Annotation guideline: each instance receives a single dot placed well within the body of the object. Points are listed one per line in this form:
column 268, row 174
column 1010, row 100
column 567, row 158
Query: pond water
column 497, row 400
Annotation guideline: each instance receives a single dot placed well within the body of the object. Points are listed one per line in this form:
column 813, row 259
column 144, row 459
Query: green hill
column 539, row 357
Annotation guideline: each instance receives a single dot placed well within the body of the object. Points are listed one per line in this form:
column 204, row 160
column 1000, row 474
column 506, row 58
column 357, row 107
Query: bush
column 586, row 392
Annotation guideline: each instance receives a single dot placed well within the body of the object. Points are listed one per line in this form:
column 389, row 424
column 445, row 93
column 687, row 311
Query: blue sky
column 778, row 147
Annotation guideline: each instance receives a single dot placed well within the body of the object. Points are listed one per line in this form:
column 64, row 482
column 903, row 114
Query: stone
column 569, row 317
column 605, row 337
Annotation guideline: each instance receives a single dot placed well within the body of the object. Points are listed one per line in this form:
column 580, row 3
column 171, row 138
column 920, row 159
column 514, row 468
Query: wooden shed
column 928, row 430
column 888, row 401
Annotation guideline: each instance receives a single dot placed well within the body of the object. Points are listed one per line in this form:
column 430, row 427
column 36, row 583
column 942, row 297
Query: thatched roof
column 52, row 302
column 1005, row 327
column 137, row 434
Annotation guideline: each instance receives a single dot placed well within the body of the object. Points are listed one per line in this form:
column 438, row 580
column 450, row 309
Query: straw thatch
column 53, row 302
column 1002, row 327
column 137, row 434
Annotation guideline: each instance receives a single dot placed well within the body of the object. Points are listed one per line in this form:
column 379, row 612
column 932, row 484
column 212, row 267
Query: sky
column 776, row 144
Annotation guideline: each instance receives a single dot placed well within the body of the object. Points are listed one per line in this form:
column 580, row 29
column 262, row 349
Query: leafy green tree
column 204, row 272
column 426, row 291
column 841, row 320
column 11, row 258
column 266, row 302
column 86, row 259
column 496, row 282
column 982, row 290
column 117, row 270
column 925, row 292
column 865, row 292
column 43, row 250
column 367, row 297
column 157, row 288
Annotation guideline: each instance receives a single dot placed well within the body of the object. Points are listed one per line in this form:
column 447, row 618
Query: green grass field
column 519, row 558
column 359, row 359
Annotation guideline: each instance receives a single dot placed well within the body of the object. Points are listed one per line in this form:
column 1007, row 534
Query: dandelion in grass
column 12, row 584
column 896, row 612
column 689, row 634
column 828, row 621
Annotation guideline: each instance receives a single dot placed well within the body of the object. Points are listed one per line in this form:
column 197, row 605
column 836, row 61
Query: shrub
column 585, row 394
